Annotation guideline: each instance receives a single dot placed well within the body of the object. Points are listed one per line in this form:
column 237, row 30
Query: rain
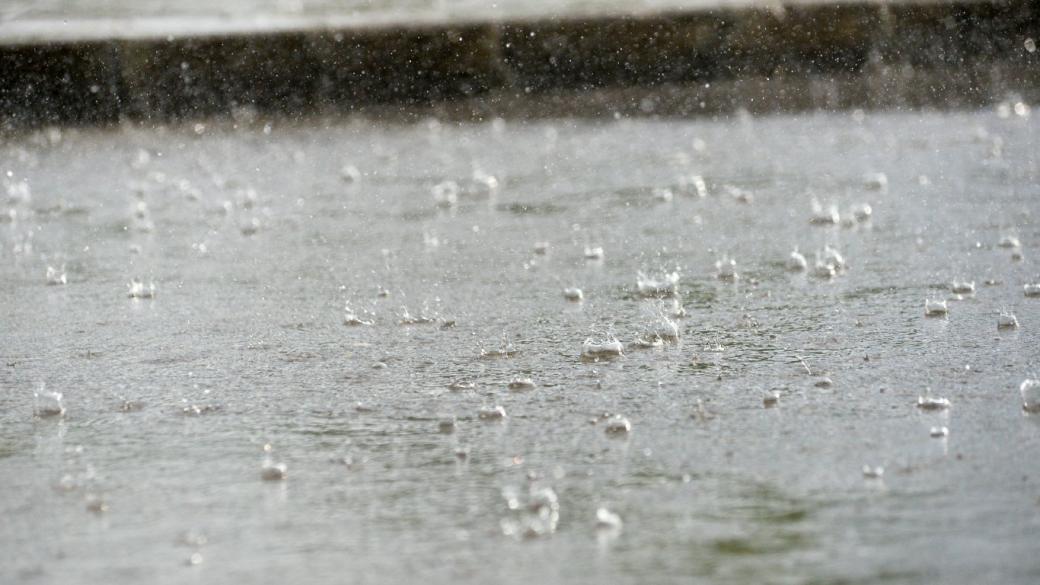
column 670, row 291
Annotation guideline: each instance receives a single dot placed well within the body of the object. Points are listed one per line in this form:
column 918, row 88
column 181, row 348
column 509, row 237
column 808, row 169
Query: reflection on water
column 396, row 390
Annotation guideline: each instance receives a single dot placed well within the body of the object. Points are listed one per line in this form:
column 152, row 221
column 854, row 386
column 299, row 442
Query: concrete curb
column 876, row 55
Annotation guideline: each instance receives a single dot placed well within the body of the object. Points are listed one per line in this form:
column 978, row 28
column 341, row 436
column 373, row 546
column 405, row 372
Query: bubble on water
column 663, row 285
column 521, row 383
column 617, row 425
column 593, row 252
column 47, row 404
column 492, row 413
column 932, row 403
column 1009, row 241
column 272, row 471
column 56, row 276
column 445, row 193
column 607, row 520
column 573, row 294
column 726, row 269
column 963, row 287
column 873, row 471
column 821, row 216
column 1006, row 320
column 938, row 432
column 137, row 289
column 796, row 261
column 875, row 181
column 596, row 350
column 1030, row 391
column 935, row 308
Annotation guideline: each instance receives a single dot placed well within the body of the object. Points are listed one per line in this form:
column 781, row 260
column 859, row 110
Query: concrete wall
column 864, row 54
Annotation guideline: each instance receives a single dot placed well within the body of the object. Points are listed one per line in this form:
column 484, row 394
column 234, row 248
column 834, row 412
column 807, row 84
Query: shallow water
column 244, row 346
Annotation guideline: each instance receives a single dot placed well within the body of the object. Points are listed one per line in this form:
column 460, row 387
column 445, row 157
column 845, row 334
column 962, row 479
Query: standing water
column 273, row 440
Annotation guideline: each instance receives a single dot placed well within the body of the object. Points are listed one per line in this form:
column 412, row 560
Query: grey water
column 742, row 465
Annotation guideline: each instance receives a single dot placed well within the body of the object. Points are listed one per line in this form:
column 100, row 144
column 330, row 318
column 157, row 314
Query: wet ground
column 256, row 244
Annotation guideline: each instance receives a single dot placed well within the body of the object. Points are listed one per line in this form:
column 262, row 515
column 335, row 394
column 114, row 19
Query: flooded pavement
column 286, row 353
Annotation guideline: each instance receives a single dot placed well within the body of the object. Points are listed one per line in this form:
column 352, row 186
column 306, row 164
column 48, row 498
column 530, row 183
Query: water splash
column 665, row 285
column 1031, row 290
column 137, row 289
column 935, row 308
column 48, row 404
column 617, row 425
column 593, row 252
column 1006, row 320
column 726, row 269
column 56, row 276
column 932, row 403
column 796, row 262
column 963, row 287
column 521, row 384
column 821, row 216
column 593, row 350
